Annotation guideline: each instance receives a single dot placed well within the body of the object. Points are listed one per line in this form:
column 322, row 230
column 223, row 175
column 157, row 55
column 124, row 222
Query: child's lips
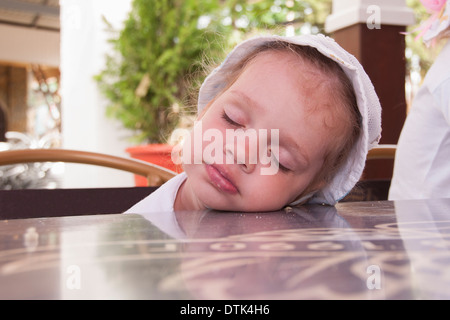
column 220, row 179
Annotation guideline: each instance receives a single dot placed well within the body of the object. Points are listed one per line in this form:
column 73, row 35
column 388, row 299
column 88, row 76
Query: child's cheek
column 194, row 148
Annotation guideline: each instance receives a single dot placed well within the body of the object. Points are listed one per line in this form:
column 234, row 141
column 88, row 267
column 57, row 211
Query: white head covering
column 367, row 100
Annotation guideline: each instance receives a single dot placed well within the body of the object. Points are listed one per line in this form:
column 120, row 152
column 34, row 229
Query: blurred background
column 110, row 75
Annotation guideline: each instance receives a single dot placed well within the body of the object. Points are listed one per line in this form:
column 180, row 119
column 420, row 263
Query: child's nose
column 241, row 154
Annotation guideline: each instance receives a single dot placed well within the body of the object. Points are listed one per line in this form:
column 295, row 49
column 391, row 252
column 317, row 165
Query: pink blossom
column 433, row 5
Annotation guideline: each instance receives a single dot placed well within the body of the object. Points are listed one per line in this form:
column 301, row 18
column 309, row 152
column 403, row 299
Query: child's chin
column 221, row 206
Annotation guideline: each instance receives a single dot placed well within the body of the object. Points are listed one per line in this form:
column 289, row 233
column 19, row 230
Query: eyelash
column 229, row 120
column 281, row 167
column 233, row 123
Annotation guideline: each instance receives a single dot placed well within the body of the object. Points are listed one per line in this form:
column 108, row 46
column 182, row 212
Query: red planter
column 159, row 154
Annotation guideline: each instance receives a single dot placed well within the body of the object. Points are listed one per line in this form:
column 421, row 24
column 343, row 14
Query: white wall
column 84, row 124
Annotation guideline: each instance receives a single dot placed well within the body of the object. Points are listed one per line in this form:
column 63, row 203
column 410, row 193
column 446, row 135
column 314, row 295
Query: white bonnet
column 367, row 100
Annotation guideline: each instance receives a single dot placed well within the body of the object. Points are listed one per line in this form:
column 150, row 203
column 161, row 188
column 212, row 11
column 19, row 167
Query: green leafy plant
column 157, row 57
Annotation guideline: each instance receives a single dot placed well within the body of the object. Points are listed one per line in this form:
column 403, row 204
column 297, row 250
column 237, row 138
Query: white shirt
column 422, row 161
column 158, row 206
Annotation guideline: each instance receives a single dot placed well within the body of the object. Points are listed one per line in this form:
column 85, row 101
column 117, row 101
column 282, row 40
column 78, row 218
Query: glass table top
column 355, row 250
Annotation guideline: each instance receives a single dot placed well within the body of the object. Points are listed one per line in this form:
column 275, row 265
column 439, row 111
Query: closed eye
column 280, row 166
column 229, row 120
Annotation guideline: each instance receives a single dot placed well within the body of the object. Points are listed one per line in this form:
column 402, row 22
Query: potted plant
column 156, row 58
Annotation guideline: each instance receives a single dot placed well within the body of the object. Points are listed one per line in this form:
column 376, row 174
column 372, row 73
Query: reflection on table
column 361, row 250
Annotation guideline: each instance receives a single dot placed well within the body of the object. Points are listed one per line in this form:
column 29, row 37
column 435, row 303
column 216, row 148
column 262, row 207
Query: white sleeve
column 443, row 98
column 158, row 207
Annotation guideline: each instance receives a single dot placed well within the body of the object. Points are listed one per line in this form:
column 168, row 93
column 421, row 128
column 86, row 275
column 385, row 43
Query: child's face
column 275, row 92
